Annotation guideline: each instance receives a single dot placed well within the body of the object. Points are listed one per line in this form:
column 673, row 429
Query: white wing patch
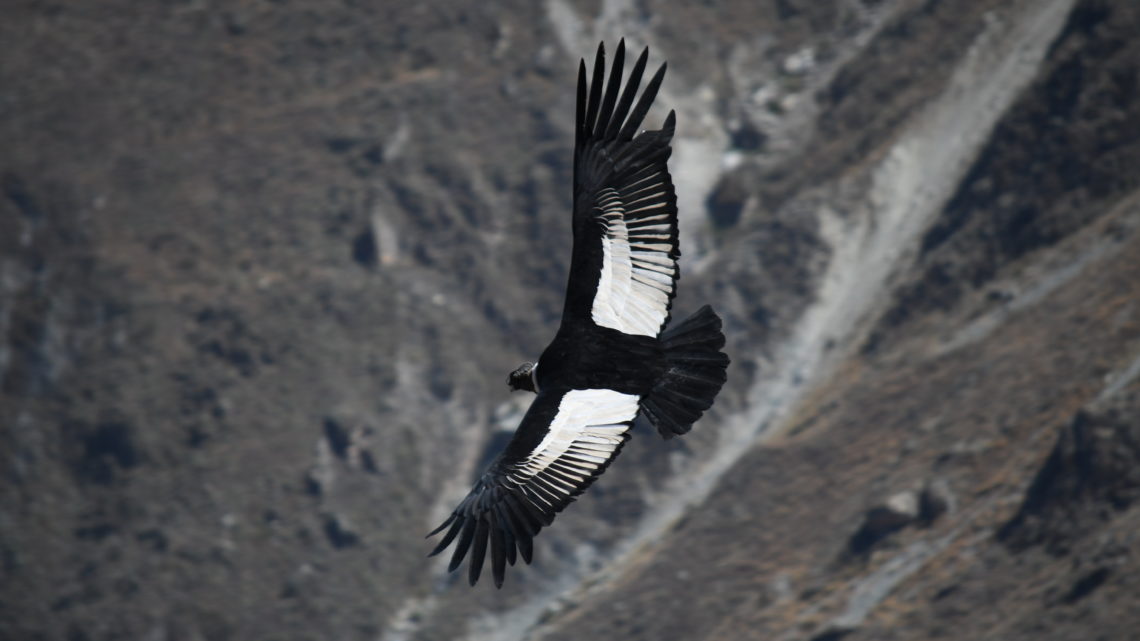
column 637, row 271
column 586, row 432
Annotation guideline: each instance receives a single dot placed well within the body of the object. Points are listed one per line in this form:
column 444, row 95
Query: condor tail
column 695, row 374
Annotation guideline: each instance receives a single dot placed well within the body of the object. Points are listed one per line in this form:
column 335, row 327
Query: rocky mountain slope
column 264, row 267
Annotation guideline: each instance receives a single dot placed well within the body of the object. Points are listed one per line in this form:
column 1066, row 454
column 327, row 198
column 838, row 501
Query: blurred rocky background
column 265, row 265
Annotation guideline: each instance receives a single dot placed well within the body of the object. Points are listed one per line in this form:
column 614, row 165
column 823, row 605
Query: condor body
column 610, row 361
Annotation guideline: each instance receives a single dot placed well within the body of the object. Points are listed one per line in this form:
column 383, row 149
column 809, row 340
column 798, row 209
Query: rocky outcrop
column 1091, row 476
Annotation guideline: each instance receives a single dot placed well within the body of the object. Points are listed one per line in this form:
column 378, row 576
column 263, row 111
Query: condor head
column 523, row 378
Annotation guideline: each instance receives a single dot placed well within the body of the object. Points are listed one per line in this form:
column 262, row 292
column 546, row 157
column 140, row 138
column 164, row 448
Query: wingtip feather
column 463, row 545
column 621, row 112
column 643, row 104
column 595, row 94
column 498, row 554
column 447, row 539
column 612, row 88
column 441, row 526
column 478, row 552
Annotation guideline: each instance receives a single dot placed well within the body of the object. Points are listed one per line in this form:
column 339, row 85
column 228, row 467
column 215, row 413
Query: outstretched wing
column 565, row 441
column 624, row 267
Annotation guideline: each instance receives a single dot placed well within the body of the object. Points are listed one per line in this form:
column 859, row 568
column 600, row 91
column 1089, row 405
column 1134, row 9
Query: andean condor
column 609, row 361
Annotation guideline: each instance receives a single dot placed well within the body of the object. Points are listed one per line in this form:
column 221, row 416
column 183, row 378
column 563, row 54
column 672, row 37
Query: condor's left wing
column 623, row 271
column 565, row 441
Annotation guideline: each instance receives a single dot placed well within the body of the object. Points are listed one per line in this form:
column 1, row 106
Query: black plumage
column 610, row 360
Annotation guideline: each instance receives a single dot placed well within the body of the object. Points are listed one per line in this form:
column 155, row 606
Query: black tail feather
column 695, row 375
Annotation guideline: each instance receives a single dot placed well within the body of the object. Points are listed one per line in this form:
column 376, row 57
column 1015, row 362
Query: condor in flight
column 609, row 361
